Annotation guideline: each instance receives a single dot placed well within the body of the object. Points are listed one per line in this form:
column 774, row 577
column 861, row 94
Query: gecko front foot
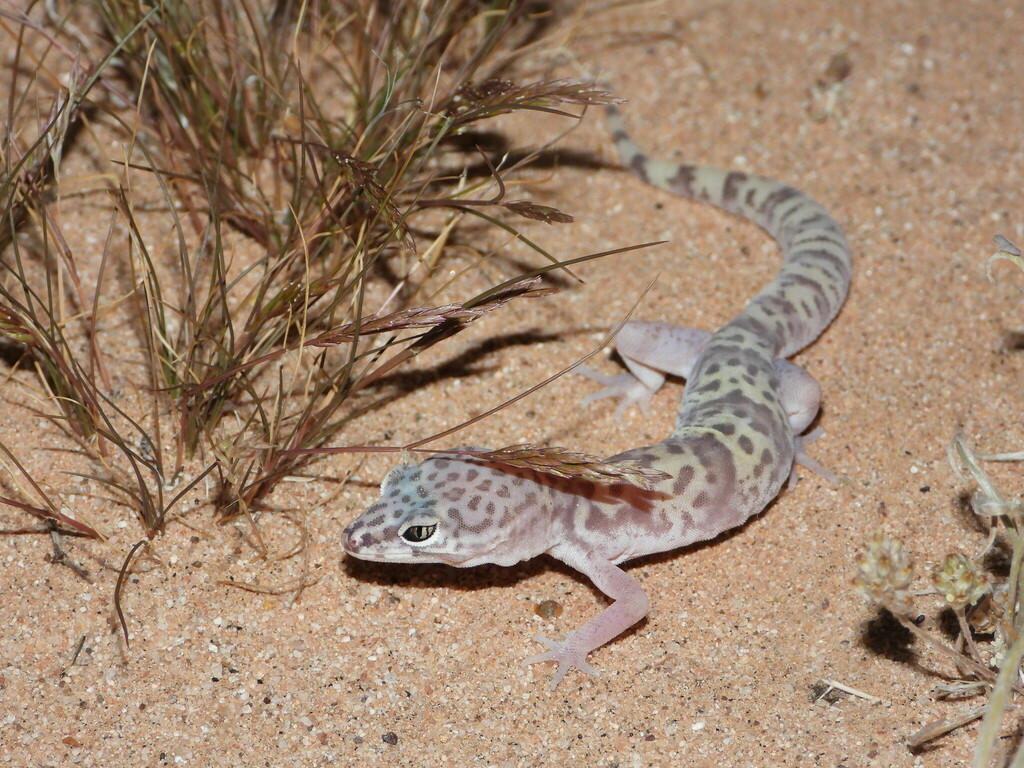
column 805, row 461
column 625, row 386
column 565, row 654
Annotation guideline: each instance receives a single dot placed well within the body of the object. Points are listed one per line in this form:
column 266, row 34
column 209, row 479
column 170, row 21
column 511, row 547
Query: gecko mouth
column 364, row 545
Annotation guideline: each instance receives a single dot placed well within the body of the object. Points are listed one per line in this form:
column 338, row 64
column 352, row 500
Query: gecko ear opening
column 417, row 534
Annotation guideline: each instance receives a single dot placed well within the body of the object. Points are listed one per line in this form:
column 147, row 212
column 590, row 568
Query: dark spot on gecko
column 471, row 474
column 767, row 457
column 746, row 445
column 367, row 540
column 829, row 236
column 375, row 521
column 673, row 447
column 731, row 188
column 760, row 426
column 841, row 265
column 453, row 476
column 817, row 220
column 600, row 521
column 489, row 509
column 473, row 504
column 681, row 182
column 483, row 525
column 639, row 166
column 776, row 198
column 726, row 429
column 703, row 499
column 503, row 492
column 683, row 479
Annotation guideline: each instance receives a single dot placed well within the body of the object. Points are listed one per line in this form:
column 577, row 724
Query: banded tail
column 795, row 307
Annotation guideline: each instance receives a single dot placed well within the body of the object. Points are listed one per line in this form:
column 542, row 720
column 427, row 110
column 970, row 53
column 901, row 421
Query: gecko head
column 448, row 508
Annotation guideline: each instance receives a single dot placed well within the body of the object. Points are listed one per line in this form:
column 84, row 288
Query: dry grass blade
column 50, row 511
column 49, row 514
column 538, row 212
column 552, row 460
column 431, row 317
column 475, row 101
column 939, row 728
column 449, row 319
column 121, row 576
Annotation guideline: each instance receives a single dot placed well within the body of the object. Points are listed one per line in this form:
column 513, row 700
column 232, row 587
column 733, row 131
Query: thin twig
column 74, row 656
column 60, row 557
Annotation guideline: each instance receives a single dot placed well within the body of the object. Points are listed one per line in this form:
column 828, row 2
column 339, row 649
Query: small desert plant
column 312, row 165
column 984, row 605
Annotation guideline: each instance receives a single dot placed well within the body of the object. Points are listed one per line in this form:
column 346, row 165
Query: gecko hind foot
column 625, row 386
column 565, row 655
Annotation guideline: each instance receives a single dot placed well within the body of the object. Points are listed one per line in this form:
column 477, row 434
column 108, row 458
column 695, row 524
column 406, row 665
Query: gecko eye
column 419, row 533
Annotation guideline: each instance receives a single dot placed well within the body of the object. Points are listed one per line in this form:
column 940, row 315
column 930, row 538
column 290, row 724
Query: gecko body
column 735, row 443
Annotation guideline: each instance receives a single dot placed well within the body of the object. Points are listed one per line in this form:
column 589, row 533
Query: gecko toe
column 625, row 387
column 564, row 655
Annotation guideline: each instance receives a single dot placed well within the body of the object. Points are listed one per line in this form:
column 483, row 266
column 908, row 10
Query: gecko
column 737, row 438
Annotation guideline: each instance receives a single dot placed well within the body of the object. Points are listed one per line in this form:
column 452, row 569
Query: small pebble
column 548, row 609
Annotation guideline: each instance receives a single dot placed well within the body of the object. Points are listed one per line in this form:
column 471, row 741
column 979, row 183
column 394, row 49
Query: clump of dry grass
column 310, row 164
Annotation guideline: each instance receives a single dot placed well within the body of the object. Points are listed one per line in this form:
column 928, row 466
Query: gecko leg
column 651, row 351
column 629, row 605
column 801, row 397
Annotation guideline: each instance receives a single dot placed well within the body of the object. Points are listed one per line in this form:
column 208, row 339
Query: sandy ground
column 911, row 137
